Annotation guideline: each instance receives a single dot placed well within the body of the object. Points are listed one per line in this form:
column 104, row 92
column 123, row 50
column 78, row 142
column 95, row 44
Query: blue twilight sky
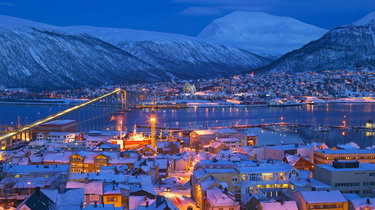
column 180, row 16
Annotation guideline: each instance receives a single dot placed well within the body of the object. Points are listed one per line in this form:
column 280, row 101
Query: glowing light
column 153, row 119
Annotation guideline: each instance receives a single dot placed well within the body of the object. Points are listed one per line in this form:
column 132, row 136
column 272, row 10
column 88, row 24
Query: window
column 111, row 199
column 234, row 179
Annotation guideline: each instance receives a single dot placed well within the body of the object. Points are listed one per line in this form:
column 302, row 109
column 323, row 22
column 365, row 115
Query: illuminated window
column 267, row 176
column 17, row 176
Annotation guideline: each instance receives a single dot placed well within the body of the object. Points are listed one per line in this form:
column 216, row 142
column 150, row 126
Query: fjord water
column 332, row 114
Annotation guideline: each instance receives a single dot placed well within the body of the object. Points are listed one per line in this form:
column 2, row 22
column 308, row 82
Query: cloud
column 8, row 4
column 201, row 11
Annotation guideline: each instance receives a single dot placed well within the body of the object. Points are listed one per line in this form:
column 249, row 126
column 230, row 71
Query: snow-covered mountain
column 346, row 47
column 36, row 55
column 261, row 33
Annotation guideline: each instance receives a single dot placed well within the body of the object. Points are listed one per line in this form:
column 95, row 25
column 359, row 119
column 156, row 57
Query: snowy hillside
column 36, row 55
column 347, row 47
column 261, row 33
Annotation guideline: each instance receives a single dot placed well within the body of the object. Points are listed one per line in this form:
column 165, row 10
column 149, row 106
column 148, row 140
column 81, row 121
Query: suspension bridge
column 92, row 114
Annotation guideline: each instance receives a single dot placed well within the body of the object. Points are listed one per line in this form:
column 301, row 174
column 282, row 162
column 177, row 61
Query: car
column 167, row 189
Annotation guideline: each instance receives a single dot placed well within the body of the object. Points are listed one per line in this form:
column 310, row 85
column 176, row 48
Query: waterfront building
column 56, row 137
column 58, row 126
column 348, row 176
column 360, row 155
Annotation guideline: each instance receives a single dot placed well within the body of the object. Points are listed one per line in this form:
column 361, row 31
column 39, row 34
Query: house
column 181, row 162
column 148, row 150
column 217, row 199
column 216, row 146
column 168, row 147
column 112, row 195
column 279, row 205
column 318, row 199
column 298, row 162
column 58, row 199
column 161, row 203
column 362, row 204
column 37, row 201
column 93, row 191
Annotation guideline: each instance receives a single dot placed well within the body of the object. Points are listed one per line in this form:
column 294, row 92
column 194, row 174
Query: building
column 58, row 126
column 93, row 191
column 348, row 176
column 202, row 136
column 267, row 178
column 168, row 147
column 217, row 199
column 233, row 143
column 320, row 200
column 252, row 139
column 278, row 152
column 360, row 155
column 298, row 162
column 54, row 199
column 56, row 137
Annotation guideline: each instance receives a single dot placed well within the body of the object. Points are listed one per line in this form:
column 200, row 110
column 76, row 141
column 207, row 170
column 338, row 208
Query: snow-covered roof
column 267, row 168
column 361, row 203
column 95, row 187
column 362, row 167
column 70, row 199
column 334, row 196
column 346, row 151
column 285, row 205
column 205, row 132
column 217, row 198
column 27, row 169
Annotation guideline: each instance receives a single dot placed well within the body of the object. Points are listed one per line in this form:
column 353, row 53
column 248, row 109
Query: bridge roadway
column 56, row 116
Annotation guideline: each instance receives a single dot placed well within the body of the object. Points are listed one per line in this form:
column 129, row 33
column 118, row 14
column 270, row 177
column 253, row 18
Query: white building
column 56, row 137
column 268, row 178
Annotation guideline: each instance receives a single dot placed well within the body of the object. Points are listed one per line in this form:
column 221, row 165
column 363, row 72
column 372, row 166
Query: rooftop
column 333, row 196
column 362, row 167
column 347, row 151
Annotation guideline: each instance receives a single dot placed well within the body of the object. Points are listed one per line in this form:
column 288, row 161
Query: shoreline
column 66, row 102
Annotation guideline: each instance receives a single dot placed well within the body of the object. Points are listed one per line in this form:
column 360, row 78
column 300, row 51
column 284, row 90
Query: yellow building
column 112, row 195
column 322, row 200
column 206, row 179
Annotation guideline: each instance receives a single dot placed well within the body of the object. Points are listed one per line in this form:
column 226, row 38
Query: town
column 61, row 167
column 244, row 89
